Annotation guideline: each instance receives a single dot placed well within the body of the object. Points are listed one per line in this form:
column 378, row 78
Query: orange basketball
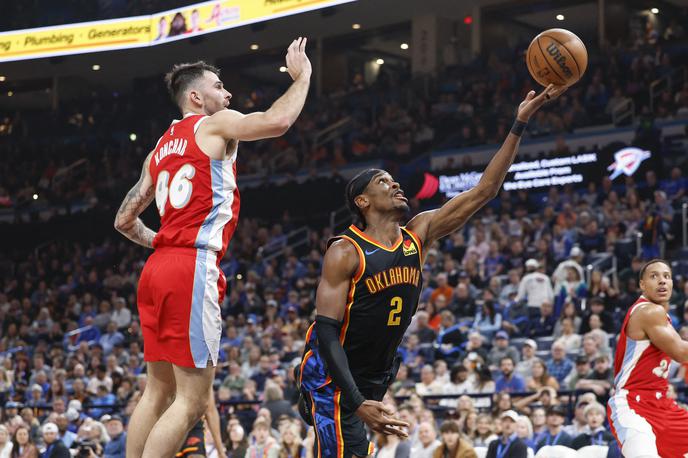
column 557, row 56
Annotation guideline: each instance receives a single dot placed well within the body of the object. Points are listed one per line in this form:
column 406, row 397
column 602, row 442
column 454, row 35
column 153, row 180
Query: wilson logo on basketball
column 553, row 50
column 409, row 247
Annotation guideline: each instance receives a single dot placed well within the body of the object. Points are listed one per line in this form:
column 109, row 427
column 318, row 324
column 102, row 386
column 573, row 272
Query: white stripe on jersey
column 225, row 213
column 634, row 350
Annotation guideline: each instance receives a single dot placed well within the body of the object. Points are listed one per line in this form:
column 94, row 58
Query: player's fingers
column 384, row 408
column 395, row 422
column 396, row 431
column 302, row 48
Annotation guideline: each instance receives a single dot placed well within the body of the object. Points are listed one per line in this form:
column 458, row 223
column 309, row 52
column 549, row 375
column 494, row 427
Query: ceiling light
column 254, row 47
column 404, row 46
column 380, row 61
column 132, row 137
column 654, row 10
column 35, row 197
column 95, row 68
column 283, row 69
column 560, row 17
column 2, row 78
column 10, row 94
column 355, row 26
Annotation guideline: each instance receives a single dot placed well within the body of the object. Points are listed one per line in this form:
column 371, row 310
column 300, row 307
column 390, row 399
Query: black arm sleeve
column 327, row 331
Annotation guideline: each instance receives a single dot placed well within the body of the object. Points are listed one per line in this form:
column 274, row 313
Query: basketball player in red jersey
column 191, row 173
column 645, row 422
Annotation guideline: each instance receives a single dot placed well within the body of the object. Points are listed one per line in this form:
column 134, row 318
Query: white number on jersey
column 179, row 190
column 662, row 370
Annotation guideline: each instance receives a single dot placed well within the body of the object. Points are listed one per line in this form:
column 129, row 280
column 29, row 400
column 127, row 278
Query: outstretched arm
column 435, row 224
column 339, row 267
column 136, row 201
column 232, row 125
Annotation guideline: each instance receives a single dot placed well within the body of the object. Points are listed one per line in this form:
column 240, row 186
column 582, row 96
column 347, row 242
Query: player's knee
column 196, row 408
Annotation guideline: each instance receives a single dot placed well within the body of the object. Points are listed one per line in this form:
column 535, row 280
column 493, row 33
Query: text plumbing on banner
column 149, row 30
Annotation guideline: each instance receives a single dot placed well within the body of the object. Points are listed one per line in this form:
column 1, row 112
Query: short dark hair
column 354, row 188
column 449, row 426
column 649, row 263
column 182, row 75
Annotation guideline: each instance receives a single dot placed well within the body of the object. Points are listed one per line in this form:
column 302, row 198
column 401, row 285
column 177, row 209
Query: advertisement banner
column 75, row 38
column 150, row 30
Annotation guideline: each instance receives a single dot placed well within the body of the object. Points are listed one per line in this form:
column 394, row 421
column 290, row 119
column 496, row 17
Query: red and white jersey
column 197, row 197
column 638, row 364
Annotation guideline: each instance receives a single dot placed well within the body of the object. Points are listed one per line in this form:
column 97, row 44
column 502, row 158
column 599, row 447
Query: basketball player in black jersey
column 369, row 289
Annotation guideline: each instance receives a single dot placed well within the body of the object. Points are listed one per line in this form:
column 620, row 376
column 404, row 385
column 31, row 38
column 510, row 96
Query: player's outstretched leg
column 157, row 397
column 190, row 403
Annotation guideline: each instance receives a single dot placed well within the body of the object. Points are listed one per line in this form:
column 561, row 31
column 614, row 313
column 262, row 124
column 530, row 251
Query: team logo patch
column 409, row 247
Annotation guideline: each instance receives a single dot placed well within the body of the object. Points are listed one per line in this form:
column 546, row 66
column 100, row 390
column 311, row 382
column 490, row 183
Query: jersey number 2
column 179, row 190
column 394, row 318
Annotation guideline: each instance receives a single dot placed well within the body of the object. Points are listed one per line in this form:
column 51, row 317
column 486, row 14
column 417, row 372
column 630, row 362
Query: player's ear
column 361, row 201
column 195, row 96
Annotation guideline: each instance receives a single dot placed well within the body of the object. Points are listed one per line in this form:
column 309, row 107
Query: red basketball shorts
column 179, row 296
column 647, row 423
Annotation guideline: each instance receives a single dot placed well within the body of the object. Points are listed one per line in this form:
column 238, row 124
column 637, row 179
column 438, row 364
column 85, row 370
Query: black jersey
column 382, row 299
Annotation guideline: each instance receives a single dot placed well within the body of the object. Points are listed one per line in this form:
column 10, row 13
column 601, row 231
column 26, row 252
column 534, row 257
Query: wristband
column 518, row 127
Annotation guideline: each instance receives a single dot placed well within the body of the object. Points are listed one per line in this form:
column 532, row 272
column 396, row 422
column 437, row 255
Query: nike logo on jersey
column 368, row 253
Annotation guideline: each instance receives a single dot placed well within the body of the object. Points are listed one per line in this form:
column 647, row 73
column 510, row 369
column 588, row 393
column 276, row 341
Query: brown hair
column 181, row 76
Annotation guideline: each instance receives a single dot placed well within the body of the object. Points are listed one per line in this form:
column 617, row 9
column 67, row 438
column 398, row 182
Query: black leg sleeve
column 327, row 331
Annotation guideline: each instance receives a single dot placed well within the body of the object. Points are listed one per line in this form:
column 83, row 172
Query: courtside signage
column 149, row 30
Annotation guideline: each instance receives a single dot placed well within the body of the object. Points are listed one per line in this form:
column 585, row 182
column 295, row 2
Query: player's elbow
column 121, row 225
column 278, row 126
column 487, row 192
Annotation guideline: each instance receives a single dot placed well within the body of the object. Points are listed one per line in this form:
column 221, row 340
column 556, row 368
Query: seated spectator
column 276, row 404
column 428, row 385
column 22, row 444
column 502, row 403
column 601, row 379
column 508, row 445
column 427, row 441
column 555, row 435
column 6, row 443
column 111, row 338
column 487, row 321
column 559, row 366
column 116, row 448
column 508, row 381
column 484, row 384
column 579, row 422
column 539, row 419
column 582, row 369
column 458, row 384
column 540, row 377
column 263, row 444
column 390, row 445
column 590, row 347
column 535, row 288
column 597, row 307
column 463, row 303
column 484, row 431
column 594, row 433
column 525, row 366
column 524, row 431
column 292, row 445
column 516, row 318
column 475, row 345
column 425, row 333
column 55, row 447
column 237, row 442
column 543, row 325
column 450, row 336
column 501, row 349
column 568, row 338
column 569, row 311
column 452, row 445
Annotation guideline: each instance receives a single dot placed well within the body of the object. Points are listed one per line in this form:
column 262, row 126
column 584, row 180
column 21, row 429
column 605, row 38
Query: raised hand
column 532, row 103
column 298, row 64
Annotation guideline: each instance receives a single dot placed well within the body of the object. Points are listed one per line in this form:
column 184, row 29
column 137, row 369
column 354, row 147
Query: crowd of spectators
column 391, row 118
column 506, row 311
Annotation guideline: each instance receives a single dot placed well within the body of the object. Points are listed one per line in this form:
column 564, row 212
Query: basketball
column 557, row 56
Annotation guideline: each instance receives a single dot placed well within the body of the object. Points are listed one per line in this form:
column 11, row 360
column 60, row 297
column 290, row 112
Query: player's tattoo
column 127, row 220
